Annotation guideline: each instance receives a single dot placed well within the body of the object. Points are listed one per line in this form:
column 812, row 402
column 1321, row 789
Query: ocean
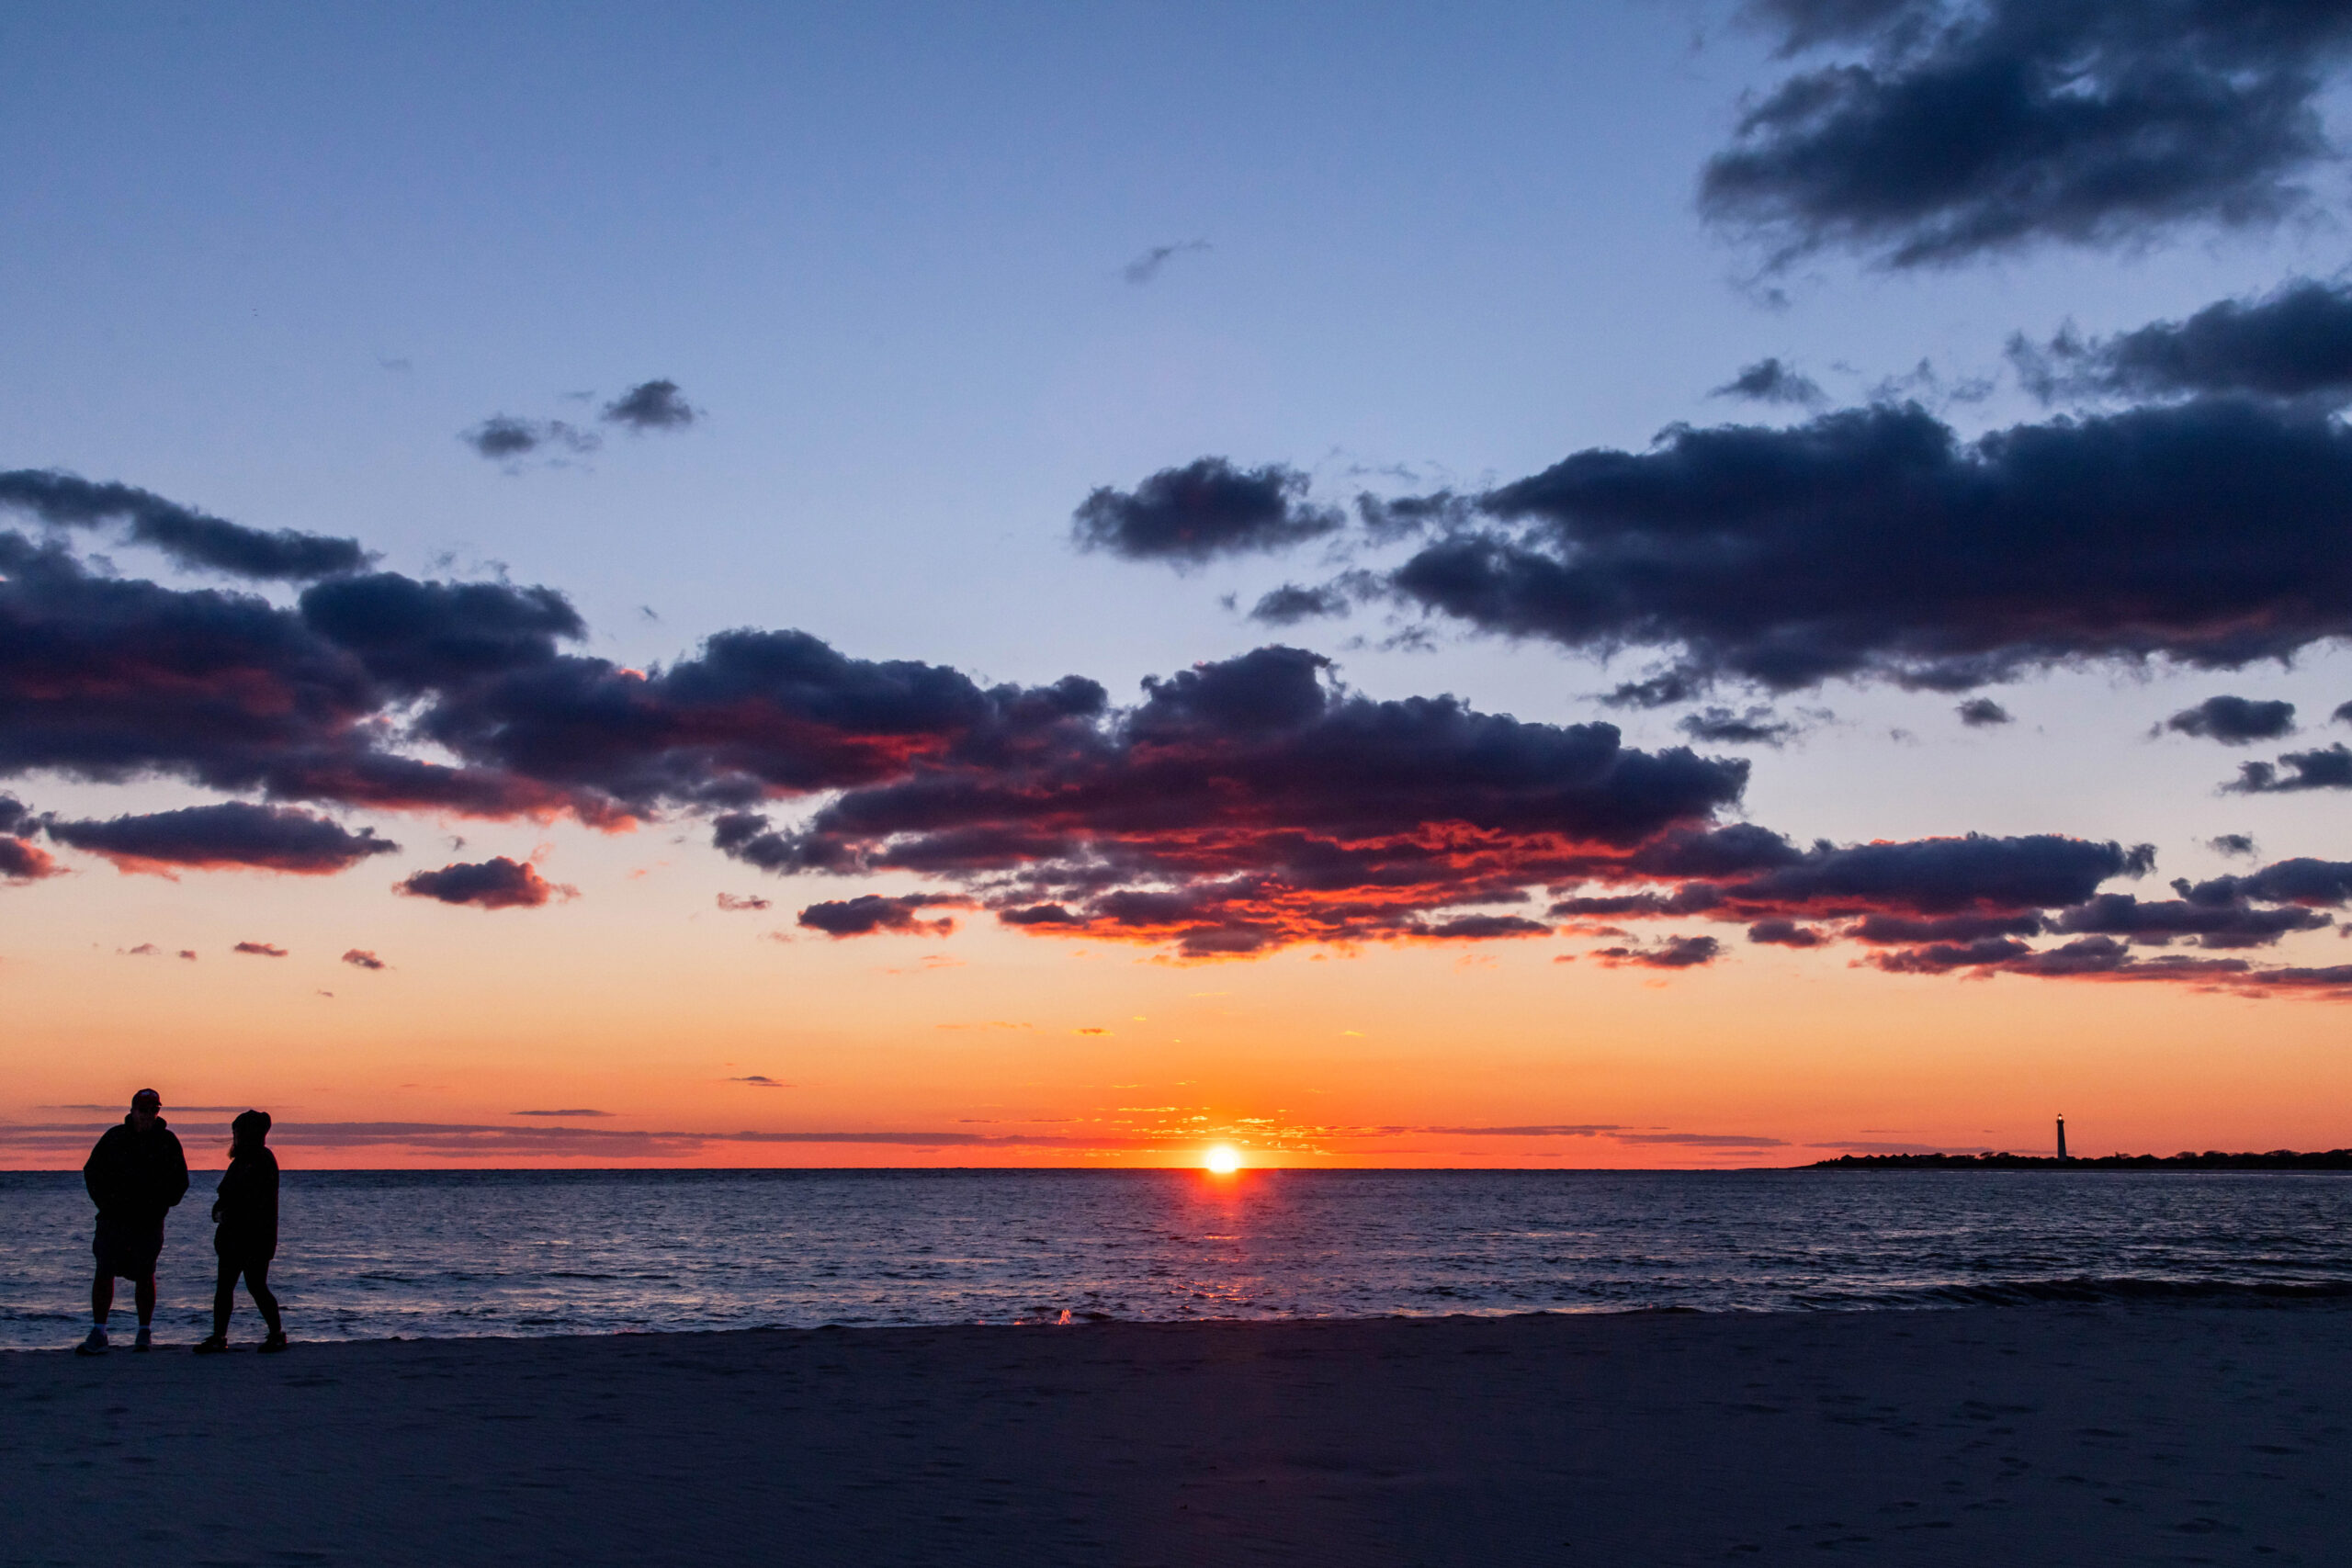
column 377, row 1254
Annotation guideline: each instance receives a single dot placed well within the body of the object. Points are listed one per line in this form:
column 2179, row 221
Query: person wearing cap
column 135, row 1175
column 244, row 1210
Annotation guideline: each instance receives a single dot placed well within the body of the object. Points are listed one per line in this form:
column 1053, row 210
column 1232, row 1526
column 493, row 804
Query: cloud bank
column 193, row 539
column 2295, row 343
column 1236, row 808
column 1937, row 131
column 1877, row 543
column 1251, row 804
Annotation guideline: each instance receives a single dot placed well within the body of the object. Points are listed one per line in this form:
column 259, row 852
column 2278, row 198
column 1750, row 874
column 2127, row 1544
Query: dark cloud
column 495, row 883
column 872, row 912
column 232, row 835
column 2219, row 913
column 2105, row 958
column 360, row 958
column 2343, row 714
column 1659, row 691
column 1950, row 128
column 734, row 902
column 1476, row 928
column 260, row 948
column 1251, row 804
column 1981, row 712
column 2327, row 768
column 1205, row 509
column 503, row 438
column 1875, row 542
column 651, row 405
column 758, row 1081
column 1944, row 957
column 1694, row 898
column 1722, row 727
column 2212, row 924
column 1770, row 381
column 1672, row 953
column 2313, row 884
column 109, row 679
column 256, row 703
column 1888, row 931
column 1973, row 905
column 757, row 714
column 1974, row 875
column 21, row 862
column 2234, row 721
column 1786, row 933
column 1291, row 604
column 1040, row 915
column 2295, row 343
column 1706, row 1140
column 191, row 538
column 1148, row 265
column 2231, row 844
column 576, row 1111
column 417, row 636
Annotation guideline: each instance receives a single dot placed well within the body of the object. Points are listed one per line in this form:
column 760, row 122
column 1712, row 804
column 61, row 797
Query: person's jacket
column 136, row 1176
column 246, row 1206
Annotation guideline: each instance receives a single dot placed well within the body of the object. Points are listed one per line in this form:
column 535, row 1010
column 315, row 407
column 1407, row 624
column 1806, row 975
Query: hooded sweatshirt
column 247, row 1204
column 135, row 1177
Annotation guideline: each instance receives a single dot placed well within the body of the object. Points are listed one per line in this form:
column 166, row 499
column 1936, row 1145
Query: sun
column 1222, row 1160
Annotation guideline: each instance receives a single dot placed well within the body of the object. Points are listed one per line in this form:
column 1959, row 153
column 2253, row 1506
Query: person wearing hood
column 136, row 1174
column 244, row 1210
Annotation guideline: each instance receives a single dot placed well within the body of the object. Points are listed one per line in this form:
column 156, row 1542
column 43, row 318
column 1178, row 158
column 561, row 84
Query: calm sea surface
column 367, row 1255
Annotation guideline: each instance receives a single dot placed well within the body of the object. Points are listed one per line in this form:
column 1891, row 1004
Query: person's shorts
column 127, row 1249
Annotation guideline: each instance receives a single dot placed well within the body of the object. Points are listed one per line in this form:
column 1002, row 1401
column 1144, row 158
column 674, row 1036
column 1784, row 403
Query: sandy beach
column 2018, row 1435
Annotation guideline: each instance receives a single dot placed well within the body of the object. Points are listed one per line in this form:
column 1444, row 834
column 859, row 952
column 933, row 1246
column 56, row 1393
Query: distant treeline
column 2212, row 1159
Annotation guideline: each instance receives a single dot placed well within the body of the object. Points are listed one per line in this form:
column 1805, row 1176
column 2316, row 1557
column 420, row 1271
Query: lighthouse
column 2062, row 1137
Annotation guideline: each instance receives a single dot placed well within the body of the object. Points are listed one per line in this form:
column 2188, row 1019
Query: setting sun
column 1222, row 1160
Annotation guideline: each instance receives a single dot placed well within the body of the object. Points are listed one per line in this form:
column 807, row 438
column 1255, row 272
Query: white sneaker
column 95, row 1345
column 146, row 1341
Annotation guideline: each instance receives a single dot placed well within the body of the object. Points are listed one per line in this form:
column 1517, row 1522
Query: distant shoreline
column 2212, row 1159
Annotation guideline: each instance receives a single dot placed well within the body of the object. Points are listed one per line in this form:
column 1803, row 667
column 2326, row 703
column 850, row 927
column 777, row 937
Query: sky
column 1649, row 583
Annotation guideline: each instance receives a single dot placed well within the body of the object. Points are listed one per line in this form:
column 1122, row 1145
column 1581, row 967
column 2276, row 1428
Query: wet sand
column 1987, row 1437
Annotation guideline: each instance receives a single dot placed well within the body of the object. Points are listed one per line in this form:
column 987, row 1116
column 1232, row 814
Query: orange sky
column 644, row 1000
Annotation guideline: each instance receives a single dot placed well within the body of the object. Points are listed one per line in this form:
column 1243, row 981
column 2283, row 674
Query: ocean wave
column 2085, row 1289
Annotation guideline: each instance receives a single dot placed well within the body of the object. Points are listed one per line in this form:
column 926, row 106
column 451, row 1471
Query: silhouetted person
column 135, row 1175
column 245, row 1213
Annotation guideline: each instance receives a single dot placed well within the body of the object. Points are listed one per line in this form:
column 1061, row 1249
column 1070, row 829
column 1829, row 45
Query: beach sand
column 1989, row 1436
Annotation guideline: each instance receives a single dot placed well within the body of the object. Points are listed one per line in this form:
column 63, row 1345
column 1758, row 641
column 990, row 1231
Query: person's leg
column 257, row 1281
column 143, row 1292
column 101, row 1302
column 225, row 1298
